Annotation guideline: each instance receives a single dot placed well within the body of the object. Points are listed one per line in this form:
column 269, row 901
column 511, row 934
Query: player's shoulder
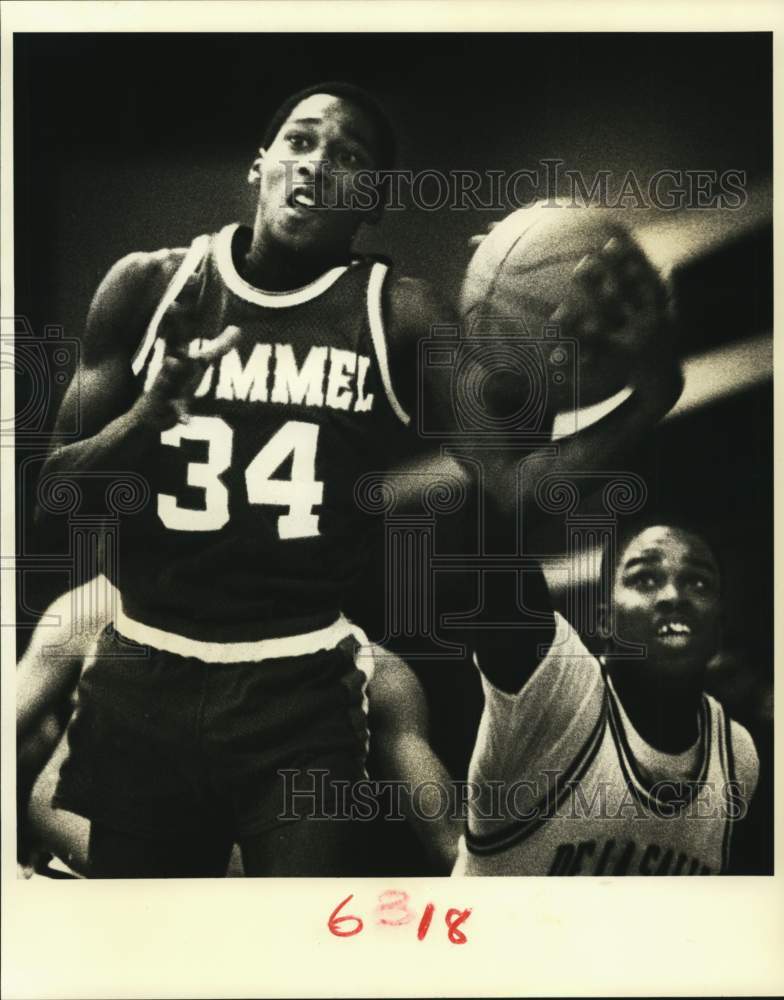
column 413, row 305
column 567, row 679
column 127, row 297
column 148, row 267
column 408, row 293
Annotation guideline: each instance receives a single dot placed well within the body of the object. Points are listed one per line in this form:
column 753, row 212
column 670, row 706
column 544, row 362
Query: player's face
column 308, row 195
column 666, row 596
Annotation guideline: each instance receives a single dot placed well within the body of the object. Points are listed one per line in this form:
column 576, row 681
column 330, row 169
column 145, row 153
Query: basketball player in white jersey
column 249, row 381
column 620, row 765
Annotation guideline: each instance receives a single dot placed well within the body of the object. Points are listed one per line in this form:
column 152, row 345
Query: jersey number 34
column 299, row 494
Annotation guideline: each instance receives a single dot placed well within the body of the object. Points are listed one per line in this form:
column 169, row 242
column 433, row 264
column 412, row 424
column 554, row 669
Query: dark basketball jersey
column 252, row 530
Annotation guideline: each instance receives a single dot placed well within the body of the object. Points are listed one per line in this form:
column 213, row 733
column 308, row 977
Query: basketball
column 523, row 269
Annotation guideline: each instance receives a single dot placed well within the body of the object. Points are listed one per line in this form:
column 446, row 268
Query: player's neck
column 666, row 715
column 274, row 267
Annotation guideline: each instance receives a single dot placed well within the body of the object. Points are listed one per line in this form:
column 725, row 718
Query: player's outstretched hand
column 619, row 298
column 620, row 306
column 618, row 295
column 167, row 401
column 630, row 309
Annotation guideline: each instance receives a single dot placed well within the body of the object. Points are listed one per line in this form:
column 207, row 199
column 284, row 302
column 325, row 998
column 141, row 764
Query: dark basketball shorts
column 162, row 745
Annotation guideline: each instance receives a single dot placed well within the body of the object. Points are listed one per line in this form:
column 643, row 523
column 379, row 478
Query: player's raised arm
column 621, row 300
column 623, row 303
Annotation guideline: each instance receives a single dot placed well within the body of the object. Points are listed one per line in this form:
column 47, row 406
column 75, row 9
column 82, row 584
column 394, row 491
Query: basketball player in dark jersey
column 249, row 380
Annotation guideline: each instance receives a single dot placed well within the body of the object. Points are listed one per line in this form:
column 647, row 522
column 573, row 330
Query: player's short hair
column 629, row 530
column 386, row 146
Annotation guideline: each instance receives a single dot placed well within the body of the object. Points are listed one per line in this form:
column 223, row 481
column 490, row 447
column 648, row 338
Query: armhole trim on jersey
column 635, row 781
column 732, row 774
column 727, row 761
column 501, row 840
column 190, row 262
column 376, row 319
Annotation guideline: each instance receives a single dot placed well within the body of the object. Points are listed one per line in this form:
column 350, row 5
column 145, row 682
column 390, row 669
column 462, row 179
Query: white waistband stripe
column 240, row 652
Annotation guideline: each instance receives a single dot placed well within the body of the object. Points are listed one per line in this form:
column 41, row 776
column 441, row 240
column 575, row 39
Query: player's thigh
column 314, row 848
column 288, row 738
column 134, row 742
column 115, row 854
column 314, row 824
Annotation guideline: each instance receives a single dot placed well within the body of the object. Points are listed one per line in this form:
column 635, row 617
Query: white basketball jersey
column 563, row 792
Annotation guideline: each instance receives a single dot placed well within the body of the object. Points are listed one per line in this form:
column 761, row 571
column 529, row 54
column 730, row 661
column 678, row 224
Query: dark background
column 134, row 142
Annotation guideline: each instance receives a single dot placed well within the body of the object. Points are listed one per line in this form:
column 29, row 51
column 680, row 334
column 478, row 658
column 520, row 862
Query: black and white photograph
column 390, row 467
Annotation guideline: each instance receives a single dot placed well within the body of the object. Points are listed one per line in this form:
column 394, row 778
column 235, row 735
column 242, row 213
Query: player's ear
column 254, row 174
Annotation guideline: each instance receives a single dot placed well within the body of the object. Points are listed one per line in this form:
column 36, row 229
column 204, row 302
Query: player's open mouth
column 302, row 198
column 674, row 632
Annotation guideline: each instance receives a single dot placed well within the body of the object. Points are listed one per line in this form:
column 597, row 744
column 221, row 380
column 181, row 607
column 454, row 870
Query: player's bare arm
column 101, row 394
column 46, row 678
column 116, row 424
column 618, row 296
column 49, row 669
column 400, row 723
